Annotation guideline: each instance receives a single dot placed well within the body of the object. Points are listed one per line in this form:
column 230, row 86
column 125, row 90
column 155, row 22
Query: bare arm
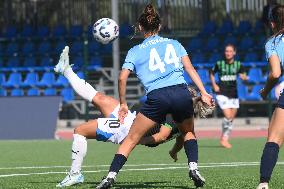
column 122, row 80
column 273, row 77
column 213, row 82
column 176, row 147
column 196, row 79
column 158, row 137
column 243, row 76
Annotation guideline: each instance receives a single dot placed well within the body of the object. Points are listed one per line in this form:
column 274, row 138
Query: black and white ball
column 105, row 30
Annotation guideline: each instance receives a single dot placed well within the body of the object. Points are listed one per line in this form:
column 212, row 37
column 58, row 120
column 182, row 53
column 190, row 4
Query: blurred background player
column 106, row 129
column 158, row 63
column 274, row 49
column 228, row 71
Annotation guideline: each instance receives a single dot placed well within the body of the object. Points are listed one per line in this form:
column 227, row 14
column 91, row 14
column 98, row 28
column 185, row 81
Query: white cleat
column 262, row 186
column 63, row 62
column 71, row 179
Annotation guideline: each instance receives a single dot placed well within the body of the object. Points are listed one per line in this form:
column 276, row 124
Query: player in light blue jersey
column 274, row 49
column 159, row 63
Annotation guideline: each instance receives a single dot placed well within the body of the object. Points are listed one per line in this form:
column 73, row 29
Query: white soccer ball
column 105, row 30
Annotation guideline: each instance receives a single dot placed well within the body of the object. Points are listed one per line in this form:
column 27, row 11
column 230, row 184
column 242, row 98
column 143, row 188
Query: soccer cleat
column 262, row 186
column 63, row 62
column 71, row 179
column 225, row 143
column 198, row 180
column 106, row 183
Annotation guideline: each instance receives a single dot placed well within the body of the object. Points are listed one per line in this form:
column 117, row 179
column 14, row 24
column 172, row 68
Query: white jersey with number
column 111, row 130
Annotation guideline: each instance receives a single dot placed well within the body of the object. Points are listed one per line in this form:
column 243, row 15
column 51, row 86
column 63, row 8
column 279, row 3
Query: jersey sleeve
column 129, row 62
column 270, row 49
column 215, row 68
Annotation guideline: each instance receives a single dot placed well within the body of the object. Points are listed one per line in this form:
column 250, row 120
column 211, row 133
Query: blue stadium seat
column 59, row 47
column 226, row 28
column 3, row 92
column 255, row 75
column 263, row 57
column 272, row 94
column 195, row 44
column 246, row 43
column 13, row 62
column 78, row 62
column 1, row 50
column 125, row 30
column 187, row 78
column 242, row 91
column 10, row 32
column 44, row 47
column 106, row 49
column 61, row 82
column 49, row 92
column 13, row 81
column 12, row 49
column 215, row 57
column 230, row 40
column 29, row 62
column 17, row 92
column 204, row 75
column 208, row 28
column 46, row 61
column 76, row 31
column 31, row 80
column 67, row 94
column 259, row 27
column 212, row 44
column 95, row 63
column 197, row 57
column 77, row 47
column 28, row 48
column 260, row 43
column 94, row 47
column 244, row 27
column 43, row 32
column 208, row 89
column 59, row 31
column 47, row 80
column 251, row 57
column 81, row 75
column 27, row 31
column 2, row 78
column 254, row 94
column 33, row 92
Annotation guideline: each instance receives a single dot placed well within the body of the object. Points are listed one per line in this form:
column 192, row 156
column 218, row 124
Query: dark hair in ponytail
column 277, row 16
column 150, row 19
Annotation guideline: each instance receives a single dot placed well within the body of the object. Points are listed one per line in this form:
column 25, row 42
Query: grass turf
column 35, row 154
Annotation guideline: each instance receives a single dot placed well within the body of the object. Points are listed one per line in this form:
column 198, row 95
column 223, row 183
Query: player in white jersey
column 107, row 129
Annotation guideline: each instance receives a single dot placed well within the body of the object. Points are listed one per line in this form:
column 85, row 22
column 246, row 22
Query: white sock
column 227, row 126
column 111, row 175
column 81, row 87
column 79, row 150
column 192, row 166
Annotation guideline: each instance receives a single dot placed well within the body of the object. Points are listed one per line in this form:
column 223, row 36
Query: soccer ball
column 105, row 30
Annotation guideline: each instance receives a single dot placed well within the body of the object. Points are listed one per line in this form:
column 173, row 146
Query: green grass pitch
column 41, row 164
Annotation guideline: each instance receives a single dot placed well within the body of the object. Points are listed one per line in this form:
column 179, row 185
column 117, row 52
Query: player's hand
column 263, row 93
column 173, row 155
column 122, row 113
column 216, row 88
column 207, row 98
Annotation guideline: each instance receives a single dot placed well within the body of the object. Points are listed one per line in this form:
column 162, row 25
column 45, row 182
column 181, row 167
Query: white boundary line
column 127, row 165
column 236, row 164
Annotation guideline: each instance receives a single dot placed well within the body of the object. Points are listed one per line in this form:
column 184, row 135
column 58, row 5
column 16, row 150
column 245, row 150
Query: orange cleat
column 225, row 143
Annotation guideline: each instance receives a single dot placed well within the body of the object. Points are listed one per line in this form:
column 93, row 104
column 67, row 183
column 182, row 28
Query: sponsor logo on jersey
column 229, row 78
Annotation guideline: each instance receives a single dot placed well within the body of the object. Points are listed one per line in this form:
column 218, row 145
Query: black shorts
column 175, row 100
column 280, row 102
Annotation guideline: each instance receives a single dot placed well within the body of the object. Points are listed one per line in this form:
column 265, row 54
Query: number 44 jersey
column 157, row 62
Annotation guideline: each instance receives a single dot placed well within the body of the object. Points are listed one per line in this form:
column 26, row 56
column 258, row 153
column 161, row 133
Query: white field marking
column 144, row 169
column 127, row 165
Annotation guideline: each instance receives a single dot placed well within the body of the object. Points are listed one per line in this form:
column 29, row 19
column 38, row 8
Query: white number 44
column 155, row 61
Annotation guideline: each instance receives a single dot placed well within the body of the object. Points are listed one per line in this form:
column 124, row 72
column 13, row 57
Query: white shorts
column 111, row 130
column 225, row 102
